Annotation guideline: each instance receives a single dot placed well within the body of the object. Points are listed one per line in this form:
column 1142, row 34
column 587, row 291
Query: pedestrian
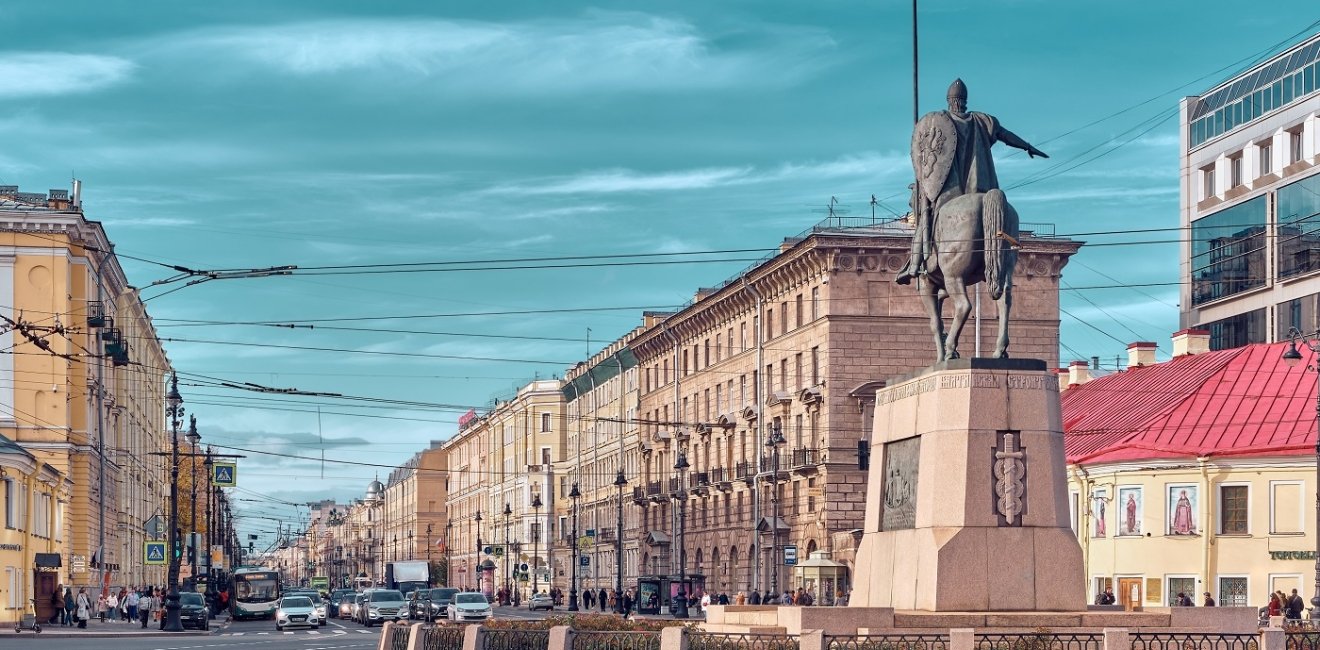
column 602, row 599
column 57, row 604
column 705, row 602
column 145, row 603
column 755, row 598
column 84, row 607
column 111, row 607
column 1209, row 600
column 586, row 599
column 723, row 599
column 123, row 603
column 740, row 598
column 786, row 598
column 70, row 606
column 1295, row 606
column 130, row 605
column 1275, row 606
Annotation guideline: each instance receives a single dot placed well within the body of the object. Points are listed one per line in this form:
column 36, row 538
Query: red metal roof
column 1243, row 401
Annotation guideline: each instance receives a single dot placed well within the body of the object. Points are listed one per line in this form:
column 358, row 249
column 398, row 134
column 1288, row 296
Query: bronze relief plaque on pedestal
column 898, row 510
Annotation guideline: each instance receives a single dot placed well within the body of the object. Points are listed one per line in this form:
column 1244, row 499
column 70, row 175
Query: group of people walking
column 125, row 605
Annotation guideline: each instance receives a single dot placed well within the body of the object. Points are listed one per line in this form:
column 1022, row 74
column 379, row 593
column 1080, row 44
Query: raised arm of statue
column 1011, row 139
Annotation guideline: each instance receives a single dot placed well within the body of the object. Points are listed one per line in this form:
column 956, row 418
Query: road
column 250, row 635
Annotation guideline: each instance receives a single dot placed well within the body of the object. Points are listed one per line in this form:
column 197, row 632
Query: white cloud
column 34, row 74
column 613, row 51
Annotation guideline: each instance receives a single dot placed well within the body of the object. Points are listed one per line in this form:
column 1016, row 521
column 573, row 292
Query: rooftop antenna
column 833, row 209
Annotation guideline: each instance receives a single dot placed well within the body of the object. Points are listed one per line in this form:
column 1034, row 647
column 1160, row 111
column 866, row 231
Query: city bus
column 256, row 593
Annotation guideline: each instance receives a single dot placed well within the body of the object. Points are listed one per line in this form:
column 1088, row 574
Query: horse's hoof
column 952, row 355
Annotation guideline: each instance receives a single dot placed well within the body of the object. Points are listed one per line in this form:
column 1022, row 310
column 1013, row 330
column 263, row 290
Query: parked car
column 431, row 604
column 295, row 611
column 541, row 601
column 193, row 611
column 469, row 607
column 382, row 605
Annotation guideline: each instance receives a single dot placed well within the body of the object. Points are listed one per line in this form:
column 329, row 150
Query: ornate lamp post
column 619, row 482
column 449, row 528
column 1292, row 357
column 536, row 543
column 508, row 555
column 477, row 518
column 193, row 438
column 680, row 608
column 574, row 494
column 174, row 409
column 775, row 439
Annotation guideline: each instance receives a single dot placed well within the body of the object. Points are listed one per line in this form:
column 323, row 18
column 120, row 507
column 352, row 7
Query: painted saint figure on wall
column 1130, row 502
column 1182, row 515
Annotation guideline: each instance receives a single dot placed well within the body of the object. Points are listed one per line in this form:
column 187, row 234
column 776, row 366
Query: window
column 1237, row 331
column 11, row 504
column 769, row 323
column 1287, row 508
column 1266, row 153
column 797, row 371
column 1207, row 183
column 706, row 359
column 1294, row 146
column 1233, row 510
column 1180, row 585
column 783, row 318
column 743, row 328
column 545, row 455
column 1298, row 211
column 685, row 363
column 815, row 366
column 1232, row 591
column 1235, row 171
column 1228, row 251
column 545, row 423
column 14, row 578
column 798, row 314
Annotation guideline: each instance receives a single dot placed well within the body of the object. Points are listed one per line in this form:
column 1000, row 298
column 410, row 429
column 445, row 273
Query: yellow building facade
column 1195, row 476
column 83, row 390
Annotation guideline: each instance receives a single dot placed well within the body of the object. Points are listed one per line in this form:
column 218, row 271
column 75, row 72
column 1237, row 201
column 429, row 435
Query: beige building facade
column 793, row 346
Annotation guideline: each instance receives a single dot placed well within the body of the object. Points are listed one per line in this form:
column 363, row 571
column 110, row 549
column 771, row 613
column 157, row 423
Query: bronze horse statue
column 973, row 239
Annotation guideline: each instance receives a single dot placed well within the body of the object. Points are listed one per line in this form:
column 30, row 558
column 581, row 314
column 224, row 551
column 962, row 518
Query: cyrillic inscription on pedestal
column 1010, row 477
column 902, row 465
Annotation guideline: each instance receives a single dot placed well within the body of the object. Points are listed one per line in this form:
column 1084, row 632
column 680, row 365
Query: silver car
column 295, row 611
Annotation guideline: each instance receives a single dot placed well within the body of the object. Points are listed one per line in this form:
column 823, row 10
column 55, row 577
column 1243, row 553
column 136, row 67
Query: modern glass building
column 1250, row 201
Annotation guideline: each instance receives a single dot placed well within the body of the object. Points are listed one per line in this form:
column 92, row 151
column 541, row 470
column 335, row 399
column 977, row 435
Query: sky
column 244, row 135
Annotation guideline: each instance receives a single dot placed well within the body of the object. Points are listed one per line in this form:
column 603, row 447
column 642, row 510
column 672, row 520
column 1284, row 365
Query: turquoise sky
column 251, row 134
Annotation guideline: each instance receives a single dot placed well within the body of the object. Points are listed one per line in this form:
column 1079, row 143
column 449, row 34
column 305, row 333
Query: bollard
column 561, row 638
column 963, row 638
column 415, row 635
column 1117, row 638
column 474, row 637
column 1273, row 638
column 385, row 635
column 812, row 640
column 672, row 638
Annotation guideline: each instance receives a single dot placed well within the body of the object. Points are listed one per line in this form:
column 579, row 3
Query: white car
column 468, row 607
column 295, row 611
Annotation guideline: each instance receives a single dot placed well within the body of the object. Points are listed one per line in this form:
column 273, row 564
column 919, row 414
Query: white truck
column 407, row 576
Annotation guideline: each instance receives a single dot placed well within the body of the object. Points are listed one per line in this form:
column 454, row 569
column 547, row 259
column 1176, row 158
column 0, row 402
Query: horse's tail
column 1000, row 232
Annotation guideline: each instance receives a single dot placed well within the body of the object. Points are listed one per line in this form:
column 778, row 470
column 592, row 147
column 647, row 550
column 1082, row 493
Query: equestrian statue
column 966, row 231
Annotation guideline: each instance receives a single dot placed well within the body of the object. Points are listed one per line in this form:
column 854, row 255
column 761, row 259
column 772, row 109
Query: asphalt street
column 253, row 635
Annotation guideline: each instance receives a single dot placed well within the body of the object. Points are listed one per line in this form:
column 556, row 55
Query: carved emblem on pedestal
column 902, row 466
column 1010, row 477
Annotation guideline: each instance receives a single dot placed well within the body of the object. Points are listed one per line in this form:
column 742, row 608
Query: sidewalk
column 98, row 630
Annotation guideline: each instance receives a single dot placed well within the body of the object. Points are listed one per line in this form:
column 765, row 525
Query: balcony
column 639, row 495
column 673, row 485
column 700, row 478
column 653, row 492
column 721, row 478
column 805, row 459
column 745, row 471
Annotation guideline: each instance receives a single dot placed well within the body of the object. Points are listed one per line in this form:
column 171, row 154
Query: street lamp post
column 680, row 609
column 772, row 443
column 449, row 528
column 193, row 438
column 477, row 518
column 508, row 574
column 619, row 482
column 574, row 494
column 174, row 409
column 536, row 544
column 1292, row 357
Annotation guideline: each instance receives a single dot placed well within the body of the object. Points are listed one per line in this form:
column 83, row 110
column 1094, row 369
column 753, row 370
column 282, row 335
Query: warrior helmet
column 958, row 89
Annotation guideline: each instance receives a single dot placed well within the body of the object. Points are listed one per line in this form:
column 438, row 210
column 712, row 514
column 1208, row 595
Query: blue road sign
column 224, row 474
column 153, row 553
column 585, row 560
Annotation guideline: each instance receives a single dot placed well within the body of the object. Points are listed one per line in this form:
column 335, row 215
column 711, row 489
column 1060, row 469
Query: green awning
column 606, row 370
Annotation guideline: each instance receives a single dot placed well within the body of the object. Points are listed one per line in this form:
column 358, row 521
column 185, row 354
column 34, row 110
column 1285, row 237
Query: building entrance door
column 1129, row 593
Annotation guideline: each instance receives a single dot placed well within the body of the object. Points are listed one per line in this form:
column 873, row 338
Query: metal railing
column 639, row 493
column 744, row 470
column 719, row 475
column 888, row 642
column 653, row 488
column 399, row 637
column 806, row 457
column 1301, row 637
column 1041, row 640
column 715, row 641
column 701, row 478
column 516, row 640
column 442, row 637
column 597, row 640
column 673, row 485
column 1193, row 641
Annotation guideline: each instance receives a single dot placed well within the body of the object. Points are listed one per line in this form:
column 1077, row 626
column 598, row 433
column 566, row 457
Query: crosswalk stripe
column 313, row 632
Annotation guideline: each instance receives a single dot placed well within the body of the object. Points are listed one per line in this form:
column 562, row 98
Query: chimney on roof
column 1141, row 353
column 1190, row 341
column 704, row 292
column 58, row 200
column 1079, row 372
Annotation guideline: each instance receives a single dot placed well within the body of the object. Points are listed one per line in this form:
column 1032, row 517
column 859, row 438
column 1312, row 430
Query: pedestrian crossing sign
column 154, row 553
column 224, row 474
